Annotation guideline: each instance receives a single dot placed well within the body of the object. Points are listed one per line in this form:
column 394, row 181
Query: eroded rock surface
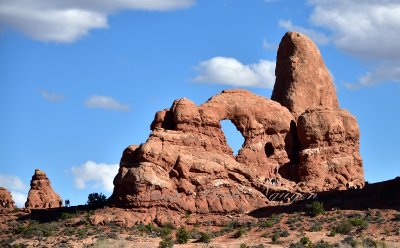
column 306, row 145
column 41, row 194
column 330, row 155
column 187, row 165
column 302, row 79
column 6, row 200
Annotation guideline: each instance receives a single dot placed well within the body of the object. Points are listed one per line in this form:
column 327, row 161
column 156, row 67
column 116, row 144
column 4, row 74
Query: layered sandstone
column 6, row 200
column 299, row 144
column 41, row 194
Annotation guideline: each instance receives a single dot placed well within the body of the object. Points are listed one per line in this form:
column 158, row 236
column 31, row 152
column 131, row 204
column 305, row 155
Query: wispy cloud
column 230, row 71
column 67, row 21
column 95, row 175
column 368, row 30
column 51, row 96
column 106, row 102
column 16, row 187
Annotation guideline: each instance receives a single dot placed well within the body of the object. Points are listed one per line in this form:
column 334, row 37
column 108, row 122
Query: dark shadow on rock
column 382, row 195
column 55, row 214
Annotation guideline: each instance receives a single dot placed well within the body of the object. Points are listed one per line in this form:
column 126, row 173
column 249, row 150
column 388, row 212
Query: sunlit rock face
column 300, row 142
column 41, row 194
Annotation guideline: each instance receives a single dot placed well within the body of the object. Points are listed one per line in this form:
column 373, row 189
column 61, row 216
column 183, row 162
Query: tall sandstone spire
column 302, row 79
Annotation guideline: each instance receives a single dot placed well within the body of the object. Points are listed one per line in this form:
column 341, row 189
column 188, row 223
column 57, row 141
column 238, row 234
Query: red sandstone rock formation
column 302, row 79
column 306, row 145
column 41, row 194
column 330, row 155
column 187, row 165
column 6, row 200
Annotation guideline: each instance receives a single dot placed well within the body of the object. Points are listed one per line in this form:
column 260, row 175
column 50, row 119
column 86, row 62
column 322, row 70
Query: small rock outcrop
column 41, row 194
column 294, row 146
column 6, row 200
column 302, row 79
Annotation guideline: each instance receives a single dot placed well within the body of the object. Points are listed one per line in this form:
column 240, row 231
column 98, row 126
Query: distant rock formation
column 41, row 194
column 6, row 200
column 305, row 145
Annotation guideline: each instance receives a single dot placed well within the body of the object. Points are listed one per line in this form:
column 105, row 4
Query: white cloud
column 50, row 96
column 67, row 21
column 316, row 36
column 19, row 198
column 229, row 71
column 16, row 187
column 368, row 29
column 96, row 175
column 106, row 102
column 379, row 74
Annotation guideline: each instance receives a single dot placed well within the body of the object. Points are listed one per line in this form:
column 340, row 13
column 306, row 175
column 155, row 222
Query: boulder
column 302, row 79
column 6, row 200
column 41, row 194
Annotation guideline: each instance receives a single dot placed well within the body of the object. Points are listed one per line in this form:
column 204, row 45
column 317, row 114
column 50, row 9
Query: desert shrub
column 244, row 246
column 359, row 222
column 343, row 227
column 397, row 217
column 316, row 227
column 305, row 241
column 368, row 242
column 281, row 233
column 266, row 223
column 275, row 238
column 82, row 233
column 204, row 238
column 166, row 242
column 322, row 244
column 315, row 208
column 96, row 200
column 349, row 240
column 239, row 233
column 182, row 236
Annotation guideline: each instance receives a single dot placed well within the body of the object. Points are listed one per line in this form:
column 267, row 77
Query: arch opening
column 269, row 149
column 233, row 137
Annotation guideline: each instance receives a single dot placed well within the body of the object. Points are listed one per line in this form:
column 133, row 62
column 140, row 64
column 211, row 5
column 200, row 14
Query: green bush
column 239, row 233
column 204, row 238
column 359, row 222
column 166, row 242
column 315, row 208
column 265, row 223
column 275, row 238
column 96, row 200
column 344, row 227
column 182, row 236
column 323, row 244
column 316, row 227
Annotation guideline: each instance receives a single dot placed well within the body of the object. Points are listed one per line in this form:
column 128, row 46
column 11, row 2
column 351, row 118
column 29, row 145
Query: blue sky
column 82, row 80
